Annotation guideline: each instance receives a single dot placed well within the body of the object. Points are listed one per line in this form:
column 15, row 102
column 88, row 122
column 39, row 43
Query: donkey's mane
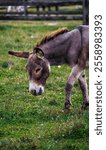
column 52, row 36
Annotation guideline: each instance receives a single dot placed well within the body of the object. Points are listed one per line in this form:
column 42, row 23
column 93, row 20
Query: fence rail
column 46, row 10
column 40, row 2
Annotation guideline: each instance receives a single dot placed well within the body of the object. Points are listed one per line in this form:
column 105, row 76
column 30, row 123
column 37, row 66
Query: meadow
column 37, row 123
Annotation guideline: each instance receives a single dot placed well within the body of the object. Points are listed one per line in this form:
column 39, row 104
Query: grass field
column 37, row 123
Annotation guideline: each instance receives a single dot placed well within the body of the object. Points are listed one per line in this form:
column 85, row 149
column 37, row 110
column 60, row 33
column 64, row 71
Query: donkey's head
column 38, row 69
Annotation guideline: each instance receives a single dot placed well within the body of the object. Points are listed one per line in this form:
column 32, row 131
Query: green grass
column 37, row 123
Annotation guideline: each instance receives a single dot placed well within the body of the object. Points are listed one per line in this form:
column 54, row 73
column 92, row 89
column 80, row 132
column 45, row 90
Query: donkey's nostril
column 40, row 91
column 33, row 92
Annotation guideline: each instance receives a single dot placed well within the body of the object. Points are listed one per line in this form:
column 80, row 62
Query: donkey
column 61, row 46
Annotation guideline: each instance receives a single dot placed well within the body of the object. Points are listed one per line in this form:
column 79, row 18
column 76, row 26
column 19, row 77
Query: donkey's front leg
column 76, row 71
column 84, row 89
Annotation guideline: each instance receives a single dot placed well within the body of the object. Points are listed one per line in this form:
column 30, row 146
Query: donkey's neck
column 55, row 50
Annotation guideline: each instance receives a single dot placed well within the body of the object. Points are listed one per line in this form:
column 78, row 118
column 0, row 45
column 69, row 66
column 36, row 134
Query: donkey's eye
column 38, row 70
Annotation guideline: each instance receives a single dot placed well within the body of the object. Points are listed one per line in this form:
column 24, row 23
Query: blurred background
column 45, row 10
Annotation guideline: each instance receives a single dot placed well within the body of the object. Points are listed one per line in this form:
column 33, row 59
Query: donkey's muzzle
column 35, row 93
column 35, row 89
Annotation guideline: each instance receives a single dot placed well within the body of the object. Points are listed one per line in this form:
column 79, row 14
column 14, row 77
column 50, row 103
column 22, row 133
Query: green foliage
column 37, row 123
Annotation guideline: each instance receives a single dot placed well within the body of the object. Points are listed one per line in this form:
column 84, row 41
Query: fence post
column 25, row 9
column 85, row 12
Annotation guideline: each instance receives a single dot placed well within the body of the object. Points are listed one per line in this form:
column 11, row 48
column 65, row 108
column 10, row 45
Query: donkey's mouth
column 35, row 93
column 35, row 89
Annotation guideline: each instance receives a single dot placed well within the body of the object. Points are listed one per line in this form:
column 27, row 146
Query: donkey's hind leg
column 76, row 72
column 84, row 89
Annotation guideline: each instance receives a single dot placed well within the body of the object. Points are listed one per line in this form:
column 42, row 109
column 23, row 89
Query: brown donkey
column 61, row 46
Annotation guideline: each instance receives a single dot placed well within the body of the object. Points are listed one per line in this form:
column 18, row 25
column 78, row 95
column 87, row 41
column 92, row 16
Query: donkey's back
column 78, row 49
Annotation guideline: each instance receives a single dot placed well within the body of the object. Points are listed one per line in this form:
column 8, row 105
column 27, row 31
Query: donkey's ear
column 19, row 54
column 39, row 53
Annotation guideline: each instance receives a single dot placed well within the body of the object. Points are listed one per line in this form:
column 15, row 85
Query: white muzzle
column 35, row 89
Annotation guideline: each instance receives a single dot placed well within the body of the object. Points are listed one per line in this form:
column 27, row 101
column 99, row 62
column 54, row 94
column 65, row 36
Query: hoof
column 84, row 106
column 67, row 110
column 67, row 106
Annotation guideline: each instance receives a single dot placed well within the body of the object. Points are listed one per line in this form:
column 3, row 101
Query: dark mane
column 51, row 36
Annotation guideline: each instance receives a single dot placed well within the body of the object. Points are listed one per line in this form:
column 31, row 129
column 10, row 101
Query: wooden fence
column 46, row 10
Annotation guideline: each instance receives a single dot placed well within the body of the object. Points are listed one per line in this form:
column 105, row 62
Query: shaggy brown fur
column 51, row 36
